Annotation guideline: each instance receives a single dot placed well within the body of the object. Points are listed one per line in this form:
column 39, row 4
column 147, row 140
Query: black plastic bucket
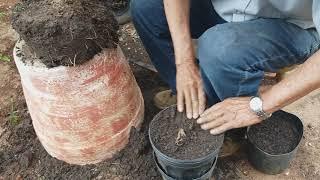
column 269, row 163
column 205, row 176
column 185, row 169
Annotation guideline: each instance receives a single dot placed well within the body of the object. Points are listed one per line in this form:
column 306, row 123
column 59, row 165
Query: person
column 238, row 41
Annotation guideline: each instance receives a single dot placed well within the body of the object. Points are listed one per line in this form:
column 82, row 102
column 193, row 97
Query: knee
column 222, row 58
column 228, row 60
column 220, row 50
column 138, row 9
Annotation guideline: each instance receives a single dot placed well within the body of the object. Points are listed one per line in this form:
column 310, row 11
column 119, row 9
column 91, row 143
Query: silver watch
column 256, row 105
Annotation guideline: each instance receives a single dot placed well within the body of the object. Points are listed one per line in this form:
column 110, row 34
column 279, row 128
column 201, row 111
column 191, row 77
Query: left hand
column 229, row 114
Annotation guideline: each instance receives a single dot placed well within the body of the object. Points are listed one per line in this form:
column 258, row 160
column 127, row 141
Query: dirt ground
column 23, row 157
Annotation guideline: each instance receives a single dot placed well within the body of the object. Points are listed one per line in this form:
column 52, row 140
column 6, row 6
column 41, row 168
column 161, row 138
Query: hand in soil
column 229, row 114
column 179, row 137
column 190, row 91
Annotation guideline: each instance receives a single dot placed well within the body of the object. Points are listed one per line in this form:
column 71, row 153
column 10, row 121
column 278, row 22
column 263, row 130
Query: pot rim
column 22, row 48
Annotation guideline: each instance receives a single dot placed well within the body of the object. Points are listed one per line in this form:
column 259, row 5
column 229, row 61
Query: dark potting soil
column 276, row 135
column 65, row 32
column 179, row 137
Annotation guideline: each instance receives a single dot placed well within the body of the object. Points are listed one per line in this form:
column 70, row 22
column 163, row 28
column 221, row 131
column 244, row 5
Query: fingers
column 210, row 113
column 221, row 129
column 191, row 98
column 188, row 102
column 213, row 124
column 202, row 100
column 210, row 117
column 180, row 101
column 195, row 103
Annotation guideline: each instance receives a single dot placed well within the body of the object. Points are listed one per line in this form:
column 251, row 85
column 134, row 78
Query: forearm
column 298, row 84
column 178, row 13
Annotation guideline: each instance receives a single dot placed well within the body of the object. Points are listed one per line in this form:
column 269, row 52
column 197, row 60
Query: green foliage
column 18, row 7
column 14, row 117
column 4, row 58
column 2, row 14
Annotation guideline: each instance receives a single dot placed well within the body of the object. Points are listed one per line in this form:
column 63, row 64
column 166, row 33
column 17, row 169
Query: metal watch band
column 262, row 115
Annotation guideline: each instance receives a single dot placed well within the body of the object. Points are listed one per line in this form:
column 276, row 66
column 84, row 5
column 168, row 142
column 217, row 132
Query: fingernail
column 195, row 116
column 213, row 132
column 204, row 127
column 189, row 116
column 199, row 120
column 180, row 109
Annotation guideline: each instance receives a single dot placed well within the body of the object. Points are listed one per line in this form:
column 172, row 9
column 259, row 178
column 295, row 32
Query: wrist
column 256, row 105
column 269, row 105
column 184, row 55
column 185, row 62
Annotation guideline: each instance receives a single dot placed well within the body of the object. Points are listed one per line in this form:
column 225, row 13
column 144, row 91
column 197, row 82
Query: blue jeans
column 232, row 56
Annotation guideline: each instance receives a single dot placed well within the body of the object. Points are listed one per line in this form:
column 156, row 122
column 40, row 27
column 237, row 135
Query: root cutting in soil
column 179, row 137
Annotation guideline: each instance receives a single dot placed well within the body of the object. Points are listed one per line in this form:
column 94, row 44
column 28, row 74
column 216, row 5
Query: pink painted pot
column 82, row 114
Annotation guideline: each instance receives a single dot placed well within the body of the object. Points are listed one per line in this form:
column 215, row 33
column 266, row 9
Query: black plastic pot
column 274, row 164
column 185, row 169
column 205, row 176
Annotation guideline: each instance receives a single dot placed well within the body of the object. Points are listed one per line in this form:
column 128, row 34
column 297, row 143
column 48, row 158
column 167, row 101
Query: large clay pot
column 82, row 114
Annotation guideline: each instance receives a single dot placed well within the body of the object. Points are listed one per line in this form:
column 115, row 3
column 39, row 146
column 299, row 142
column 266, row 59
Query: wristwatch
column 256, row 105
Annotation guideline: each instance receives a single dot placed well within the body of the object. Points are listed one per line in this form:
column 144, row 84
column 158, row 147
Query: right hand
column 190, row 93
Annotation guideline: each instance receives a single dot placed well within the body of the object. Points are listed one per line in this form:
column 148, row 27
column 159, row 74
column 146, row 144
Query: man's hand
column 189, row 83
column 229, row 114
column 190, row 91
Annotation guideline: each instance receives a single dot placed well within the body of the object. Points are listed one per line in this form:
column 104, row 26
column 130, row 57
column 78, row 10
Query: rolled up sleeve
column 316, row 14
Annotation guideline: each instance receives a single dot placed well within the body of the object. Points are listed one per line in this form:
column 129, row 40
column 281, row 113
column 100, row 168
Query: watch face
column 256, row 104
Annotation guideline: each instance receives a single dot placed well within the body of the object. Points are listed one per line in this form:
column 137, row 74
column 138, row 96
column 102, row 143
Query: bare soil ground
column 26, row 159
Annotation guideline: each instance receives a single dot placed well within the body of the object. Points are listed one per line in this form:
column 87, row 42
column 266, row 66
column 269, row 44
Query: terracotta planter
column 82, row 114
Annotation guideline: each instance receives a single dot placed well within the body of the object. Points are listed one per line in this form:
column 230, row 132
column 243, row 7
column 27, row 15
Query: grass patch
column 18, row 7
column 2, row 15
column 14, row 117
column 4, row 58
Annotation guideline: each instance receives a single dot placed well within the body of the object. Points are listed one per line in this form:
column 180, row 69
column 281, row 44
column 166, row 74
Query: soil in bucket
column 276, row 135
column 65, row 32
column 181, row 138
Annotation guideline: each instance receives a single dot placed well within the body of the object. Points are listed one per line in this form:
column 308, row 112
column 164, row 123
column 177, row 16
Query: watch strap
column 261, row 113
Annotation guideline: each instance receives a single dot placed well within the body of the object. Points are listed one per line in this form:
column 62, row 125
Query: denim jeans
column 233, row 56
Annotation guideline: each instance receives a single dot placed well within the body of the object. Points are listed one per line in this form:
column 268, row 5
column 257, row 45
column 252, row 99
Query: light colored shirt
column 304, row 13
